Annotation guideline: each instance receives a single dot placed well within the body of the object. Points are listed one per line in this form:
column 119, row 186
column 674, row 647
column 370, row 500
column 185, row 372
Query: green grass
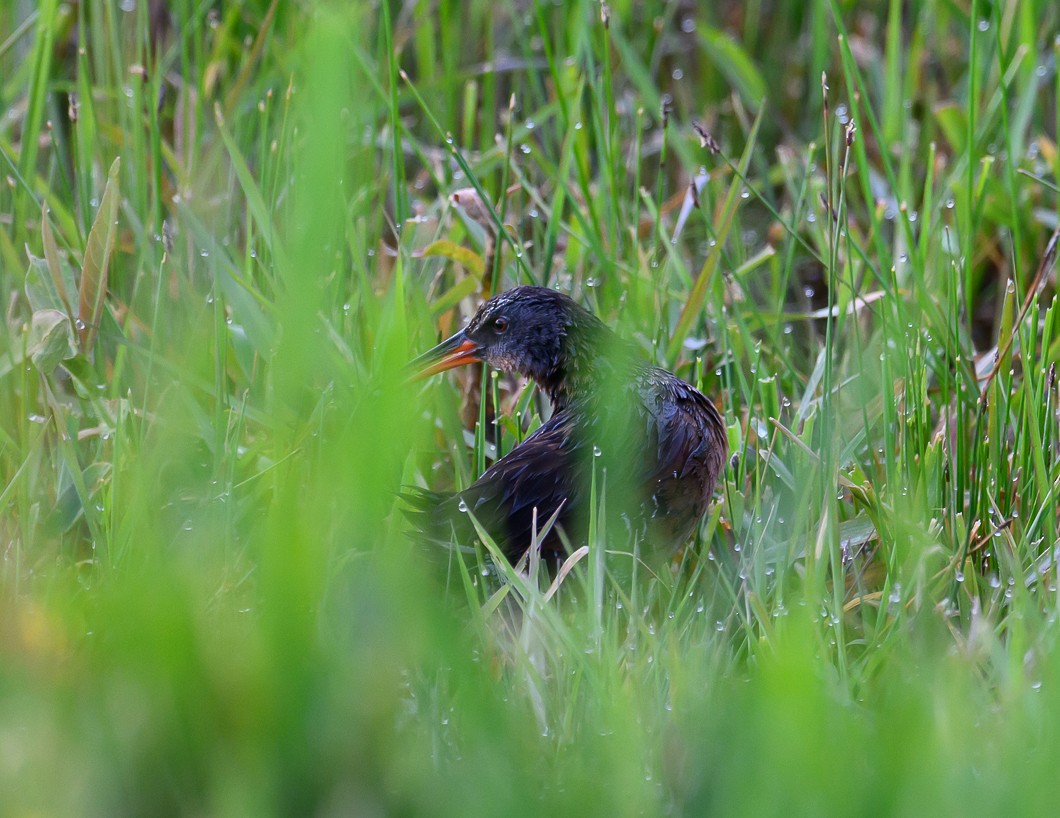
column 208, row 601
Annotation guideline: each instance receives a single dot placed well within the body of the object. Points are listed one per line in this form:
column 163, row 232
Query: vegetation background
column 224, row 227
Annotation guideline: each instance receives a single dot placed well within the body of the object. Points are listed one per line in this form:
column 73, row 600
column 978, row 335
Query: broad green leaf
column 953, row 123
column 50, row 339
column 451, row 250
column 856, row 532
column 51, row 255
column 40, row 287
column 97, row 261
column 83, row 376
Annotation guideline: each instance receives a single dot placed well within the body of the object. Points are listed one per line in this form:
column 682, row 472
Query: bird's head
column 535, row 331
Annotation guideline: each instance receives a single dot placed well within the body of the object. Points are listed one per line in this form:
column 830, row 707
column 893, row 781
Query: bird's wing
column 687, row 435
column 544, row 472
column 433, row 515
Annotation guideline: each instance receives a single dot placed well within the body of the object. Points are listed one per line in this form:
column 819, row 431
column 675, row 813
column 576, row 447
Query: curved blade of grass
column 97, row 259
column 451, row 297
column 738, row 68
column 255, row 200
column 251, row 59
column 698, row 296
column 36, row 102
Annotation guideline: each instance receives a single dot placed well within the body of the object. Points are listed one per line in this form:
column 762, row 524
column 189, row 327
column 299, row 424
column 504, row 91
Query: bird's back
column 657, row 444
column 686, row 448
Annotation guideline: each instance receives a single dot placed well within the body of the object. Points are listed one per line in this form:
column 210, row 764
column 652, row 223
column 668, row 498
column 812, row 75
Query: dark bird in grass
column 656, row 443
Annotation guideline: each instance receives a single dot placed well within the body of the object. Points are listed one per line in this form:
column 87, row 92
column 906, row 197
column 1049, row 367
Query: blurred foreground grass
column 207, row 600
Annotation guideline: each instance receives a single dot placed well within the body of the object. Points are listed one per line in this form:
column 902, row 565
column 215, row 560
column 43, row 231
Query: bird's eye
column 500, row 324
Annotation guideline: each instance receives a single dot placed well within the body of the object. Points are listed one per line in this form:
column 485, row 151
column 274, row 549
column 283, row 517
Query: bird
column 656, row 444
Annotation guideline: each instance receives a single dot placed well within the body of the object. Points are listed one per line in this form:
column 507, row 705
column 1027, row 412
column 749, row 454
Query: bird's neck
column 594, row 356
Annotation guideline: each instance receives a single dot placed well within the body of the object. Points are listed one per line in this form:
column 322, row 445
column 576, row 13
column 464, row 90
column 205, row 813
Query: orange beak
column 453, row 352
